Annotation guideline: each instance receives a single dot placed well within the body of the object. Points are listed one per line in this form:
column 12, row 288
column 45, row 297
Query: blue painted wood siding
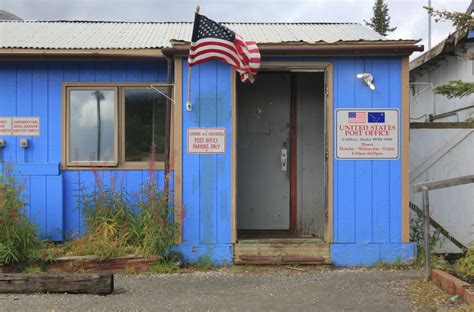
column 367, row 194
column 34, row 88
column 207, row 178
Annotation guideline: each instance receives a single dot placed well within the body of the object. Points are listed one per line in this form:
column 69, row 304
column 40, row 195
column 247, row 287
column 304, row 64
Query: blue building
column 308, row 164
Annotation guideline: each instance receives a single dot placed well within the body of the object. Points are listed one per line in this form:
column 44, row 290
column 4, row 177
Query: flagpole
column 189, row 105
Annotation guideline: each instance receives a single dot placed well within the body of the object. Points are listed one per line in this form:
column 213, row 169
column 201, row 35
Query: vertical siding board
column 72, row 214
column 150, row 72
column 72, row 72
column 102, row 72
column 224, row 120
column 55, row 79
column 395, row 99
column 363, row 168
column 86, row 71
column 207, row 168
column 38, row 203
column 40, row 109
column 335, row 172
column 8, row 106
column 23, row 107
column 346, row 169
column 381, row 177
column 54, row 210
column 118, row 71
column 134, row 72
column 191, row 187
column 88, row 185
column 162, row 71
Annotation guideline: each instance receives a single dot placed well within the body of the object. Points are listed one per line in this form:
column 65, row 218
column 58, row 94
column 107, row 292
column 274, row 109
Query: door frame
column 327, row 68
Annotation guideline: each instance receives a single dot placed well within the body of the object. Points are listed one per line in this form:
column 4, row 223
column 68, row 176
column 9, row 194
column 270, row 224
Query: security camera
column 368, row 80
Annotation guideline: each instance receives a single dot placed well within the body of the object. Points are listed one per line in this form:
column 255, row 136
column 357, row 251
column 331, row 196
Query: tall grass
column 121, row 223
column 18, row 238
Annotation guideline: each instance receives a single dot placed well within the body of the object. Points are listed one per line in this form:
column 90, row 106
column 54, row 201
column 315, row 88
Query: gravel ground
column 238, row 289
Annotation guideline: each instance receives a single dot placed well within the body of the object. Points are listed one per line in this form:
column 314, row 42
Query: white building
column 442, row 133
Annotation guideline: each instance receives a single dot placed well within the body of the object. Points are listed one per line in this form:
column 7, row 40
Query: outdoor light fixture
column 368, row 80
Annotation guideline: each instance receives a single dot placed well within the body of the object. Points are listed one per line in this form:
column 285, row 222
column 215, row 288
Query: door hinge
column 327, row 155
column 327, row 92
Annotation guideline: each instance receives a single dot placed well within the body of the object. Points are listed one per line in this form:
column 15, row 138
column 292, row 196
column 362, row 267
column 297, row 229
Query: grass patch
column 428, row 296
column 163, row 268
column 397, row 265
column 204, row 263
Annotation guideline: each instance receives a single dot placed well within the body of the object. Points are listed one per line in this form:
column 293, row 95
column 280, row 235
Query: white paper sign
column 19, row 126
column 367, row 133
column 206, row 140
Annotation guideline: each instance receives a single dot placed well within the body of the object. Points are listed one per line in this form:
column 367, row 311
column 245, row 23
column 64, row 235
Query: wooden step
column 278, row 251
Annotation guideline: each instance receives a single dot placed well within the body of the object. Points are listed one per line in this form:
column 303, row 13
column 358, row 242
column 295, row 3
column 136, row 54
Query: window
column 115, row 125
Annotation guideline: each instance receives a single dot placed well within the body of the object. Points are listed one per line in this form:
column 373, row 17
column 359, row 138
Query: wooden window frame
column 119, row 126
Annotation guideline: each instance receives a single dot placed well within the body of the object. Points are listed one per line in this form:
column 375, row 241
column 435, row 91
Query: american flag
column 356, row 117
column 213, row 41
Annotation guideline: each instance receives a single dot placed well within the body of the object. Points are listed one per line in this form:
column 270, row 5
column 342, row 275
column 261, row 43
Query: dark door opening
column 281, row 156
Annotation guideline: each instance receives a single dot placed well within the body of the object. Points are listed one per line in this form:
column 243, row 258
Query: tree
column 380, row 22
column 462, row 21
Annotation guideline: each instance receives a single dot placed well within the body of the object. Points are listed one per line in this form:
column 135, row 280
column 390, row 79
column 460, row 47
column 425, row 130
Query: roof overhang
column 180, row 49
column 405, row 47
column 447, row 46
column 81, row 53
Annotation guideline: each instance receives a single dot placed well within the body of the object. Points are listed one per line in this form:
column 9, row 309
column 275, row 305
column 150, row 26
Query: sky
column 408, row 15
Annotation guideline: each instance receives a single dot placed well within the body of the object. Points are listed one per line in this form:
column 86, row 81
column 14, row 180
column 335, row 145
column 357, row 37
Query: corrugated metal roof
column 145, row 35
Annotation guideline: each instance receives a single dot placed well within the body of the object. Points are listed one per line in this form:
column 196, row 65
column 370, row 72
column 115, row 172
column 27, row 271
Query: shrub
column 119, row 223
column 465, row 265
column 18, row 239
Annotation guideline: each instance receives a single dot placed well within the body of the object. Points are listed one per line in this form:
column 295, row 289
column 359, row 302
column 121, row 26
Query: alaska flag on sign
column 376, row 117
column 213, row 41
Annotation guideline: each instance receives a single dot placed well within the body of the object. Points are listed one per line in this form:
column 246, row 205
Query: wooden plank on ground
column 81, row 283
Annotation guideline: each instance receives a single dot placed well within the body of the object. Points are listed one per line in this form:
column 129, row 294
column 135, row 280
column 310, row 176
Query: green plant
column 417, row 235
column 397, row 265
column 163, row 267
column 18, row 239
column 119, row 223
column 465, row 265
column 204, row 263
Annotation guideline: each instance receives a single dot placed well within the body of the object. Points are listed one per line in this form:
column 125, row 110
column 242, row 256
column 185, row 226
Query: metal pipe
column 426, row 236
column 450, row 113
column 429, row 27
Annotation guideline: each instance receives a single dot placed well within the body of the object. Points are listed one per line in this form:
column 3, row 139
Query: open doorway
column 281, row 164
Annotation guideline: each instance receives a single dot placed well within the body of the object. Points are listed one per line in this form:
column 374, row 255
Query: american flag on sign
column 356, row 117
column 213, row 41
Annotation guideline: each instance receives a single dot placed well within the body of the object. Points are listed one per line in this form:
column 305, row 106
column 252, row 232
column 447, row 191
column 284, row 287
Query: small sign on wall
column 206, row 140
column 19, row 126
column 367, row 133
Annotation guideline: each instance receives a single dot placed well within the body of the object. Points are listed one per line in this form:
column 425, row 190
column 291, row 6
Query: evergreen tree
column 380, row 22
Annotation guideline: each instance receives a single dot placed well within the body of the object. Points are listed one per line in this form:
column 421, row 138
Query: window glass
column 145, row 123
column 92, row 114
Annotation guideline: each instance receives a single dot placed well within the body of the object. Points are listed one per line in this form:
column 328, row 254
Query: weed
column 18, row 239
column 163, row 267
column 120, row 223
column 429, row 297
column 397, row 265
column 417, row 236
column 465, row 266
column 130, row 271
column 33, row 270
column 204, row 263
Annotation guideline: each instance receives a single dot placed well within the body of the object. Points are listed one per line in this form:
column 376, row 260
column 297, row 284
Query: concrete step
column 281, row 251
